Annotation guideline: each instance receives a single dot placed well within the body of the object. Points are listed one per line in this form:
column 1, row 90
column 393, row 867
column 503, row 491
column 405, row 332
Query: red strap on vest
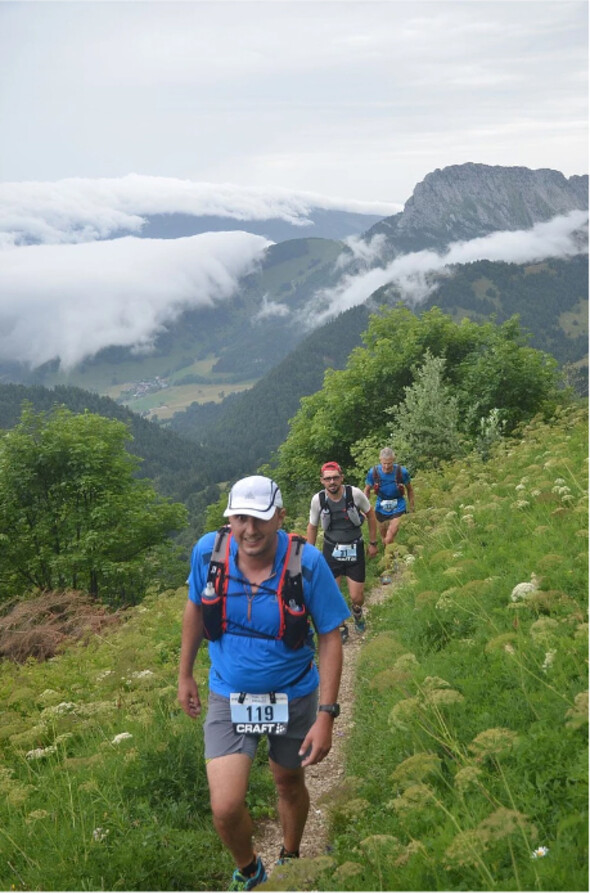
column 225, row 579
column 280, row 588
column 222, row 581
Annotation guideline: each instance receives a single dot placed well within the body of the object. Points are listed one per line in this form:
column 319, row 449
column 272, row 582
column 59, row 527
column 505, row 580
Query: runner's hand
column 318, row 741
column 188, row 697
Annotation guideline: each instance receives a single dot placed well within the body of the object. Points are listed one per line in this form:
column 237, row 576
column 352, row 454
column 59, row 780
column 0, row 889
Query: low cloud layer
column 557, row 238
column 70, row 301
column 80, row 210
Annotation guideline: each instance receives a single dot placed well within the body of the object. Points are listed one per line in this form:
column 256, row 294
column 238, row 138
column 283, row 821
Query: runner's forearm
column 330, row 665
column 372, row 522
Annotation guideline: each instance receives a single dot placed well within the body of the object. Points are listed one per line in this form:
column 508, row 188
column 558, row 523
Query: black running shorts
column 353, row 570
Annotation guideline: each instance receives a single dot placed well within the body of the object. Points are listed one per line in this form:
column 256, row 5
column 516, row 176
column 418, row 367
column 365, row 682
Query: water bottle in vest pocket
column 295, row 616
column 212, row 604
column 353, row 514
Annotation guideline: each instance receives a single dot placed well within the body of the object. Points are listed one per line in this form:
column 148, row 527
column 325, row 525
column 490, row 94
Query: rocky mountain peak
column 472, row 200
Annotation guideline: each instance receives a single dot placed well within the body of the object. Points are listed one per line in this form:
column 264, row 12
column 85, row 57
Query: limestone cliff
column 472, row 200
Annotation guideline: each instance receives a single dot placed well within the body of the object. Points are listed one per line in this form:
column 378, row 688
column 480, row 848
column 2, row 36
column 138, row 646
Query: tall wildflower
column 494, row 742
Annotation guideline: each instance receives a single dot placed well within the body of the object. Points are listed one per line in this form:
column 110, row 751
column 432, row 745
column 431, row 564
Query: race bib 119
column 259, row 712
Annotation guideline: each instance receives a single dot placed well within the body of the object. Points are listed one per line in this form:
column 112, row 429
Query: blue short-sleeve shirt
column 389, row 500
column 243, row 661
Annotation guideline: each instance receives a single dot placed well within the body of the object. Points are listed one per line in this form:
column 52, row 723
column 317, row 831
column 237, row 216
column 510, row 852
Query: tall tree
column 72, row 515
column 425, row 425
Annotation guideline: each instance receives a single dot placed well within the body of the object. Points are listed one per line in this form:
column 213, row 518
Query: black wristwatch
column 332, row 709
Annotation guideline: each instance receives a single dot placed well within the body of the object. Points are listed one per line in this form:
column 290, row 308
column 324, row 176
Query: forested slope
column 180, row 469
column 244, row 430
column 550, row 298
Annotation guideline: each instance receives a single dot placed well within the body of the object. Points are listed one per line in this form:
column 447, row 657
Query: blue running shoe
column 286, row 856
column 241, row 883
column 359, row 621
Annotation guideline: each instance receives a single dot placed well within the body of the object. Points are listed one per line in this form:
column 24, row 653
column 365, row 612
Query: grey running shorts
column 221, row 738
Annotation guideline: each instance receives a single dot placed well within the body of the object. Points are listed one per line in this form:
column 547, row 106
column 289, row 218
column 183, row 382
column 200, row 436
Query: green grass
column 469, row 749
column 103, row 377
column 575, row 322
column 162, row 405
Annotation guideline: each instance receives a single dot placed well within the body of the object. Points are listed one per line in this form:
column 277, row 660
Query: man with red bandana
column 344, row 548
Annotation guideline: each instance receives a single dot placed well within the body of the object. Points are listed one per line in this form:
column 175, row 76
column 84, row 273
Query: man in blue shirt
column 391, row 482
column 256, row 677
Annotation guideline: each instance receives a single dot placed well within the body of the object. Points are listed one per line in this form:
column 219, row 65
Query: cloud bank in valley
column 80, row 210
column 69, row 301
column 72, row 300
column 411, row 273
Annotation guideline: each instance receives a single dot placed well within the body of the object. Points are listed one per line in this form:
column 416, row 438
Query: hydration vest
column 398, row 480
column 294, row 625
column 352, row 511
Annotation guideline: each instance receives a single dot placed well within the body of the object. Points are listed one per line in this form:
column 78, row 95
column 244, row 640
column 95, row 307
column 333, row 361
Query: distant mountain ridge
column 320, row 223
column 270, row 313
column 468, row 201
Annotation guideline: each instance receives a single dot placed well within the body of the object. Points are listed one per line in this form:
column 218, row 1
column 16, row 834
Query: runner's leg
column 392, row 530
column 228, row 784
column 293, row 803
column 356, row 589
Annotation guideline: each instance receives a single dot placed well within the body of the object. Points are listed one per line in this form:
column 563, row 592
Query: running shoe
column 286, row 856
column 359, row 622
column 344, row 633
column 241, row 883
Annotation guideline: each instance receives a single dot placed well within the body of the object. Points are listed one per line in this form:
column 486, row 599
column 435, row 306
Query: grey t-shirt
column 341, row 530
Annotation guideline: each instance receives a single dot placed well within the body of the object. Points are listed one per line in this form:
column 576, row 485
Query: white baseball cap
column 254, row 496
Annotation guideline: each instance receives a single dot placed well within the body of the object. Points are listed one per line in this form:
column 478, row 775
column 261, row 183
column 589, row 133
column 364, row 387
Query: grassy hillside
column 469, row 751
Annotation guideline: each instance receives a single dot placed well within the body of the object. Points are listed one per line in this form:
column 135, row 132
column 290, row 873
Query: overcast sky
column 254, row 108
column 356, row 99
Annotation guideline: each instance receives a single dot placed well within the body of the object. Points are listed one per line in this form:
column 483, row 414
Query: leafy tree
column 214, row 517
column 178, row 468
column 72, row 514
column 425, row 425
column 505, row 374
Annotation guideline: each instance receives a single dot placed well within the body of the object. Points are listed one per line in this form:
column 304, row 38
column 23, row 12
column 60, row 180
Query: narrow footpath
column 324, row 777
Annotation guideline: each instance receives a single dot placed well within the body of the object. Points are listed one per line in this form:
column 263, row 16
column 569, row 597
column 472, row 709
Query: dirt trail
column 322, row 778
